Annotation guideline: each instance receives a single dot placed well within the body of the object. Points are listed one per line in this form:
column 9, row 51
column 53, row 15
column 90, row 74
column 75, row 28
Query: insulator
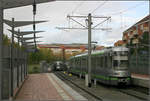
column 33, row 26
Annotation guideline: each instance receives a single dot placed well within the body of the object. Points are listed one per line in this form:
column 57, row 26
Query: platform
column 141, row 80
column 47, row 86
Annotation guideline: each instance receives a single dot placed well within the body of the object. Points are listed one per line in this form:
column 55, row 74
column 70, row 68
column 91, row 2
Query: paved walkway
column 47, row 87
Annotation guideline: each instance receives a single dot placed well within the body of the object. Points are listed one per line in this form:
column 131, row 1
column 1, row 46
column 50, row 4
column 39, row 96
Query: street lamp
column 95, row 42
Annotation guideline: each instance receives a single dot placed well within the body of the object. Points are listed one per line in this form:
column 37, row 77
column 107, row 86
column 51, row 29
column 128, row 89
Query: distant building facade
column 136, row 38
column 135, row 32
column 69, row 48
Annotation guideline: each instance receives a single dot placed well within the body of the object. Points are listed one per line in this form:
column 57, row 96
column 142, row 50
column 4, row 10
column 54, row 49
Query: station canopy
column 29, row 38
column 21, row 23
column 31, row 42
column 21, row 33
column 18, row 3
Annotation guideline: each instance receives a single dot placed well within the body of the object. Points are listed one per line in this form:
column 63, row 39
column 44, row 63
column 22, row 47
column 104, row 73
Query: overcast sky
column 56, row 13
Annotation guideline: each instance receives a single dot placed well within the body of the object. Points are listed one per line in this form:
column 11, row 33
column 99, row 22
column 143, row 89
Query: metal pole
column 1, row 46
column 26, row 64
column 18, row 58
column 11, row 56
column 64, row 57
column 89, row 49
column 21, row 55
column 137, row 56
column 34, row 27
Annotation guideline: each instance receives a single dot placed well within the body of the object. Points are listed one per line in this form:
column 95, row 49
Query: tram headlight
column 118, row 73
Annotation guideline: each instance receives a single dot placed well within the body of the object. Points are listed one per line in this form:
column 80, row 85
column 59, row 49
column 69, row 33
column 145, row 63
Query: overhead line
column 125, row 10
column 81, row 3
column 99, row 6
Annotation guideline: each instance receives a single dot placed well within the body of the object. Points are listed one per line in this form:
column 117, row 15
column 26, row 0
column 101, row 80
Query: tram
column 109, row 66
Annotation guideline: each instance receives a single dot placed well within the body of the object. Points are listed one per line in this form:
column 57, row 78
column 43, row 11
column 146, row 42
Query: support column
column 21, row 56
column 89, row 49
column 64, row 56
column 1, row 46
column 12, row 58
column 18, row 59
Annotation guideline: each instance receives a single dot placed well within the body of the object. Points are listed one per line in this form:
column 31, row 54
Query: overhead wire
column 73, row 11
column 125, row 10
column 99, row 6
column 80, row 4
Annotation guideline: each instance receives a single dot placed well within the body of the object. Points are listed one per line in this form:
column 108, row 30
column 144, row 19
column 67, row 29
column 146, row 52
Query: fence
column 19, row 70
column 139, row 63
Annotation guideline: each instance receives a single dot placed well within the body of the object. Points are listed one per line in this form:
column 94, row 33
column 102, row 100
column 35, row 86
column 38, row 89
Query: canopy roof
column 30, row 43
column 21, row 23
column 18, row 3
column 29, row 38
column 24, row 32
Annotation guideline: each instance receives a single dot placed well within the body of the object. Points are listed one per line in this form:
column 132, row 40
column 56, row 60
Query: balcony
column 124, row 38
column 131, row 36
column 129, row 41
column 145, row 29
column 135, row 32
column 135, row 41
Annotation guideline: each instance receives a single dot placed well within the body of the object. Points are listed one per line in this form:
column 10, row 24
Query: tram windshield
column 120, row 64
column 122, row 53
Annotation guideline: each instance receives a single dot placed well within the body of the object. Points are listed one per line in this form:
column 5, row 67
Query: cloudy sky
column 123, row 15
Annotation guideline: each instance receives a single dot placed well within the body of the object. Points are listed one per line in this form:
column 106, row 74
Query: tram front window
column 123, row 63
column 120, row 64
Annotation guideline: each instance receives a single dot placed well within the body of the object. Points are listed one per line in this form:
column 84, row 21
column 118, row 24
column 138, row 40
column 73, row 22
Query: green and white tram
column 109, row 66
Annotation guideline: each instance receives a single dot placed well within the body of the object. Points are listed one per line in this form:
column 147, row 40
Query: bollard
column 95, row 82
column 86, row 80
column 80, row 75
column 70, row 74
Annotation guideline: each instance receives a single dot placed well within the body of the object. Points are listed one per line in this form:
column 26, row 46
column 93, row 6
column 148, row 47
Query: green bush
column 34, row 68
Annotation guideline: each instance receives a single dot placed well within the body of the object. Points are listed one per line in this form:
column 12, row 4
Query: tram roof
column 120, row 48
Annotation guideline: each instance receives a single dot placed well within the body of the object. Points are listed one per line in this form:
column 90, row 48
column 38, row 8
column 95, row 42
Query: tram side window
column 98, row 62
column 94, row 62
column 71, row 63
column 83, row 62
column 102, row 61
column 80, row 62
column 109, row 61
column 105, row 62
column 115, row 63
column 75, row 63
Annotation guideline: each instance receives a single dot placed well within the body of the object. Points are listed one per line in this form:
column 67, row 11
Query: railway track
column 130, row 92
column 64, row 77
column 134, row 94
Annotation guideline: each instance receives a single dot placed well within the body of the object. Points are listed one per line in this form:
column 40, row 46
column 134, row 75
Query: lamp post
column 95, row 42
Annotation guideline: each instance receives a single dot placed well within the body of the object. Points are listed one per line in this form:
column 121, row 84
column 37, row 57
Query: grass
column 34, row 68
